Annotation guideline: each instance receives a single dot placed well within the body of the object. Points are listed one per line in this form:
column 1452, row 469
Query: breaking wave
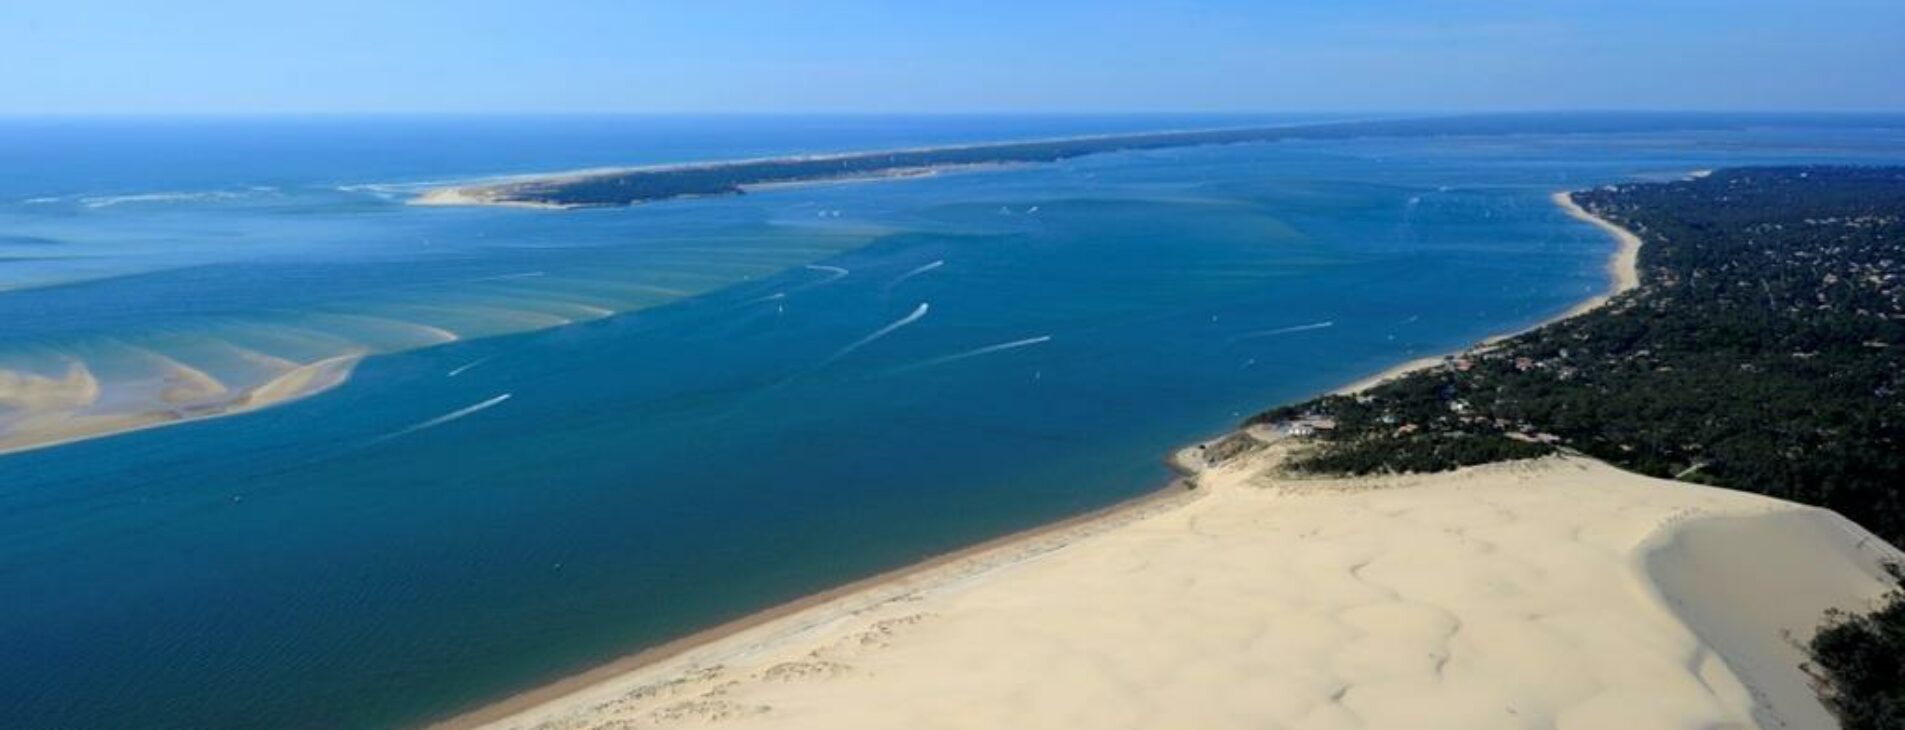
column 107, row 201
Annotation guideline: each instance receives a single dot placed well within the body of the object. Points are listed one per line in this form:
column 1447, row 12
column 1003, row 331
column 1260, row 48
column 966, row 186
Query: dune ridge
column 1555, row 593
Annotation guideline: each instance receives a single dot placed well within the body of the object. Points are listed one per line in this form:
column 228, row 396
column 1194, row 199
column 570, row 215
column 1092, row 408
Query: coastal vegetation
column 639, row 185
column 1764, row 350
column 1859, row 663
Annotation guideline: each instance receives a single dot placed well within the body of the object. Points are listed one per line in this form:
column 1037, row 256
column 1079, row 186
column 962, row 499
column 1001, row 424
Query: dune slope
column 1556, row 593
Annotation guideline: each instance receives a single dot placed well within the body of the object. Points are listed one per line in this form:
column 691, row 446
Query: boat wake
column 987, row 350
column 460, row 369
column 834, row 273
column 507, row 277
column 446, row 418
column 1284, row 331
column 917, row 313
column 775, row 297
column 916, row 272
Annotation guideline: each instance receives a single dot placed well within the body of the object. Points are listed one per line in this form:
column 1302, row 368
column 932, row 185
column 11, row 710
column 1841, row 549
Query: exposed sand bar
column 49, row 412
column 1555, row 593
column 563, row 704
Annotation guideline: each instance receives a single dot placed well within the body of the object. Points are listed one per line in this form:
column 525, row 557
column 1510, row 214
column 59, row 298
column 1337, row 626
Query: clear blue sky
column 196, row 56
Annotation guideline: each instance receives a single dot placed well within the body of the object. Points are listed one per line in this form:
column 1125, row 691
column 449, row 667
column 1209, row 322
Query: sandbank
column 634, row 689
column 49, row 412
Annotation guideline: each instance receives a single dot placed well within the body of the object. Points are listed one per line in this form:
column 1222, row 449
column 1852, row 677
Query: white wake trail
column 466, row 366
column 987, row 350
column 834, row 273
column 506, row 277
column 447, row 417
column 1284, row 330
column 918, row 312
column 916, row 272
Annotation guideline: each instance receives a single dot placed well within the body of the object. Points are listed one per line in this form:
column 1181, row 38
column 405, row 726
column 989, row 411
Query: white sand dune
column 1802, row 559
column 1560, row 593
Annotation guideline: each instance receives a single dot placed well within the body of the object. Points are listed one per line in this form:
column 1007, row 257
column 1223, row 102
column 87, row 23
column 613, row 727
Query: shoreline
column 805, row 613
column 560, row 696
column 1340, row 595
column 484, row 191
column 1623, row 271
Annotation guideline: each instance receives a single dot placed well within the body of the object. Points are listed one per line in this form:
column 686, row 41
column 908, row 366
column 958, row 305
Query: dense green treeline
column 1764, row 350
column 1859, row 663
column 729, row 178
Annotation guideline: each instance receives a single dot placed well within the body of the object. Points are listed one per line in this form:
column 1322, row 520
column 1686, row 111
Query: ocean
column 574, row 434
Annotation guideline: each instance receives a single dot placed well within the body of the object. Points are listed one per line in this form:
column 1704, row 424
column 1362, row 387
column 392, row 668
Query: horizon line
column 864, row 113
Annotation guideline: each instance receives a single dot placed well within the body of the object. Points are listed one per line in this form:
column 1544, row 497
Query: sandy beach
column 1623, row 269
column 490, row 195
column 1556, row 593
column 1623, row 274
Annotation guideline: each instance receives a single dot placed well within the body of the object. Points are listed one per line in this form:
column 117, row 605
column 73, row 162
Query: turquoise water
column 659, row 418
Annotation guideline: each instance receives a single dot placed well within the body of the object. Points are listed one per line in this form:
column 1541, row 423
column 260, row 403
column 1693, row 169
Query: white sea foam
column 106, row 201
column 381, row 191
column 448, row 417
column 389, row 190
column 917, row 313
column 1284, row 330
column 987, row 350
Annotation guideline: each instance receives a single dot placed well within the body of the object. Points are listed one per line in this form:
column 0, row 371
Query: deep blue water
column 752, row 426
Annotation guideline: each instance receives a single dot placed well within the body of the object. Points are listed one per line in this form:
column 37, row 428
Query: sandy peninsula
column 1557, row 593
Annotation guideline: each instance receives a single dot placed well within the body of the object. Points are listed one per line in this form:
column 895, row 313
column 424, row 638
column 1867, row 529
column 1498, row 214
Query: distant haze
column 926, row 56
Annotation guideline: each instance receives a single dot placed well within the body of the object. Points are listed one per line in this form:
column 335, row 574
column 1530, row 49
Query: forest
column 628, row 187
column 1764, row 350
